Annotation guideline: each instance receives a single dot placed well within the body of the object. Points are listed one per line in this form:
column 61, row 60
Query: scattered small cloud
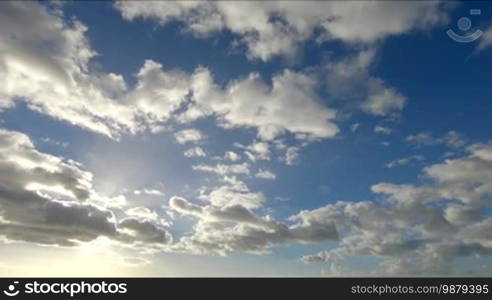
column 150, row 192
column 265, row 174
column 232, row 156
column 404, row 161
column 292, row 155
column 383, row 130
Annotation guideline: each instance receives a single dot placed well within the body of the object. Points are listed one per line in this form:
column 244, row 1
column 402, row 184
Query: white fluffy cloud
column 290, row 104
column 271, row 28
column 276, row 28
column 103, row 102
column 412, row 230
column 58, row 83
column 381, row 99
column 349, row 80
column 48, row 200
column 466, row 179
column 450, row 139
column 265, row 174
column 233, row 192
column 382, row 130
column 195, row 152
column 256, row 151
column 188, row 135
column 234, row 228
column 223, row 169
column 151, row 192
column 291, row 155
column 57, row 79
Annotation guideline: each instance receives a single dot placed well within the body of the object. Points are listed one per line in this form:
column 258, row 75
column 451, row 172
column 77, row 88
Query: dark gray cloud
column 234, row 228
column 46, row 200
column 144, row 231
column 418, row 230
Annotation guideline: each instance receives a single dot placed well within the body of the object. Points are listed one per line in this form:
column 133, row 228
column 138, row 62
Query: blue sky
column 279, row 139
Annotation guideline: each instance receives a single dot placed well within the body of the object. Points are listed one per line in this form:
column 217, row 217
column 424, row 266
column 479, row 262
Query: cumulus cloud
column 382, row 100
column 234, row 192
column 272, row 28
column 382, row 130
column 291, row 155
column 143, row 213
column 467, row 179
column 404, row 161
column 415, row 230
column 265, row 174
column 151, row 192
column 54, row 142
column 289, row 105
column 58, row 83
column 48, row 200
column 235, row 228
column 349, row 79
column 418, row 230
column 188, row 136
column 256, row 151
column 195, row 152
column 104, row 103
